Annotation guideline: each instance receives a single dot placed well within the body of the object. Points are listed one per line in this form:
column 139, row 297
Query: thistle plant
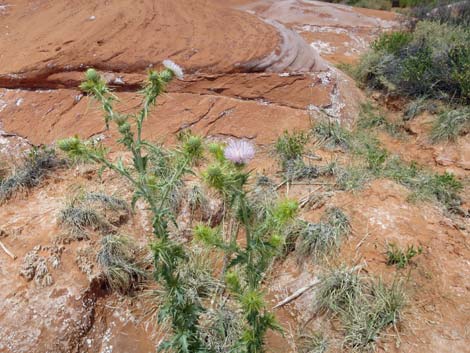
column 154, row 174
column 157, row 178
column 246, row 264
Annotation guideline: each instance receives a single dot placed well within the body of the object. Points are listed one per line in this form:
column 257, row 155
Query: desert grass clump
column 197, row 199
column 450, row 124
column 401, row 257
column 290, row 147
column 332, row 134
column 352, row 177
column 416, row 107
column 29, row 174
column 118, row 261
column 443, row 188
column 78, row 220
column 314, row 342
column 365, row 317
column 336, row 288
column 262, row 197
column 221, row 329
column 318, row 239
column 297, row 169
column 370, row 118
column 92, row 211
column 109, row 202
column 364, row 306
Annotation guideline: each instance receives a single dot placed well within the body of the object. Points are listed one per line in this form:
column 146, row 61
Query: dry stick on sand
column 297, row 294
column 302, row 290
column 9, row 253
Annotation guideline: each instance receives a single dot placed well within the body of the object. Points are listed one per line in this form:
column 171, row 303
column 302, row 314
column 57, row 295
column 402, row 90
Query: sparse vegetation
column 370, row 161
column 370, row 4
column 94, row 211
column 29, row 174
column 332, row 134
column 370, row 118
column 352, row 177
column 364, row 306
column 399, row 257
column 290, row 147
column 315, row 342
column 297, row 169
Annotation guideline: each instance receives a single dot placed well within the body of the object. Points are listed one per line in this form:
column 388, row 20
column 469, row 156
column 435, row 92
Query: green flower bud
column 215, row 177
column 120, row 119
column 276, row 241
column 217, row 150
column 166, row 75
column 233, row 281
column 153, row 75
column 125, row 128
column 193, row 147
column 285, row 210
column 92, row 75
column 206, row 234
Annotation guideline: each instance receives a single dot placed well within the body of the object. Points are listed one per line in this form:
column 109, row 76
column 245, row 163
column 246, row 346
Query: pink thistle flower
column 239, row 151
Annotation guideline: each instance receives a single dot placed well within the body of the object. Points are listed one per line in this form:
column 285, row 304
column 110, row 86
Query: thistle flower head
column 176, row 69
column 239, row 151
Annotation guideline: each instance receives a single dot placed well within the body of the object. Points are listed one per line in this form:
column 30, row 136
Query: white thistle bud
column 176, row 69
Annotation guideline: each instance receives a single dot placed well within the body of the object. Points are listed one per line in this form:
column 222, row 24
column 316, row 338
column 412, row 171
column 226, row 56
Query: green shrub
column 374, row 4
column 369, row 4
column 460, row 61
column 392, row 42
column 432, row 60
